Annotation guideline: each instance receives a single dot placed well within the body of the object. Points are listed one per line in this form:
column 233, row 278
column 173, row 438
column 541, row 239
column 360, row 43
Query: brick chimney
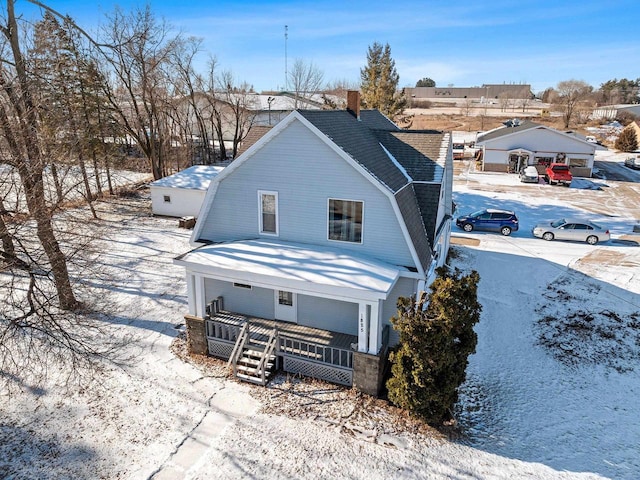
column 353, row 103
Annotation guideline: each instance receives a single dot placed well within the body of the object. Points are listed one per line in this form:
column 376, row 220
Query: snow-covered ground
column 551, row 392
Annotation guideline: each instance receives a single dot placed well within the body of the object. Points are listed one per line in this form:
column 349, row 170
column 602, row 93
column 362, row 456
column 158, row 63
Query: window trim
column 361, row 225
column 261, row 231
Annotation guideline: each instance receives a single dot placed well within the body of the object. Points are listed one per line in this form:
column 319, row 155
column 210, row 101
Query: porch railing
column 337, row 357
column 238, row 348
column 223, row 330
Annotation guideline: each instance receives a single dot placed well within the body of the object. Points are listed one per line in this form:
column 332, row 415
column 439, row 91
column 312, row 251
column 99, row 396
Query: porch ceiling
column 301, row 268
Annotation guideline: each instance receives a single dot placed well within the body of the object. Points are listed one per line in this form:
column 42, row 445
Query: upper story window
column 268, row 207
column 345, row 220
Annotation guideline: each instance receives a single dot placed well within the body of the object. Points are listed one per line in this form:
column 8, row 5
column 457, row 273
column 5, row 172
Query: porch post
column 201, row 306
column 363, row 327
column 375, row 332
column 191, row 293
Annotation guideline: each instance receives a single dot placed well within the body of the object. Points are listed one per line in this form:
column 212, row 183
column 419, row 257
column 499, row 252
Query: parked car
column 529, row 174
column 572, row 229
column 558, row 173
column 458, row 151
column 503, row 221
column 633, row 162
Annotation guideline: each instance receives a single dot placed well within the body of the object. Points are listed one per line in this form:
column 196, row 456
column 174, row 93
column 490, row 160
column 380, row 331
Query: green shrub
column 431, row 360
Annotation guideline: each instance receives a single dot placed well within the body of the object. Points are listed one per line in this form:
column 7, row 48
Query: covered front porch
column 326, row 306
column 299, row 349
column 309, row 285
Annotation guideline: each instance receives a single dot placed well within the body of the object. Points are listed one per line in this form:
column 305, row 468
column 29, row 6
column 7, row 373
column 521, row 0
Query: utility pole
column 286, row 73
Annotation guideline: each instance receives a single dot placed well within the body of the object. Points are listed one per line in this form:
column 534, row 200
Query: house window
column 167, row 199
column 345, row 220
column 577, row 162
column 285, row 298
column 268, row 205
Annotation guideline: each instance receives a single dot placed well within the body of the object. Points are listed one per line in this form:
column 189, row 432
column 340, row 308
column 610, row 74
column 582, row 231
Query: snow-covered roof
column 295, row 267
column 197, row 177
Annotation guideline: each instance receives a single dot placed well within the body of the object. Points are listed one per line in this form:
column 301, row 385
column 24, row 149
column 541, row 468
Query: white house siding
column 305, row 178
column 541, row 142
column 405, row 287
column 183, row 202
column 256, row 302
column 328, row 314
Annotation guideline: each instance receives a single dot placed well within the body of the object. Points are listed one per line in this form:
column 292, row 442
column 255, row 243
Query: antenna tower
column 286, row 73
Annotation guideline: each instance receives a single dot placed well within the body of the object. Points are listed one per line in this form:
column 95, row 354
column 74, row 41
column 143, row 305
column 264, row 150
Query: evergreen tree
column 426, row 82
column 430, row 363
column 627, row 141
column 380, row 79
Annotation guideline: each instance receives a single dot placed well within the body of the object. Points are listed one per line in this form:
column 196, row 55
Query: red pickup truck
column 558, row 173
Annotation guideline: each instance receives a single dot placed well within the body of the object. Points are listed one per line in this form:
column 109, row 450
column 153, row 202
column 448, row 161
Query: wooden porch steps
column 255, row 359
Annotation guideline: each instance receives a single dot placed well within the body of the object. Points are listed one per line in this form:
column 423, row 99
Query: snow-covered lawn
column 551, row 391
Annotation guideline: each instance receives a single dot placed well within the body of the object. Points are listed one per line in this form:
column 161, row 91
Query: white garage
column 182, row 194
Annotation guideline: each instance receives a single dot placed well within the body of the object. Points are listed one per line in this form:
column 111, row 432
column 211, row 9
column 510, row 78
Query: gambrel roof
column 410, row 163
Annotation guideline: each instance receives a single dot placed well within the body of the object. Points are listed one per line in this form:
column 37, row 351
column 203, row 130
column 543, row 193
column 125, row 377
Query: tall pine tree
column 431, row 360
column 379, row 86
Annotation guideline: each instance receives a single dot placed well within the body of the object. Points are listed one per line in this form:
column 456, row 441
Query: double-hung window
column 268, row 208
column 345, row 220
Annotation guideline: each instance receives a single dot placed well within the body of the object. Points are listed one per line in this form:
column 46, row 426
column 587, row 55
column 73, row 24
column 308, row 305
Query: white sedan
column 572, row 229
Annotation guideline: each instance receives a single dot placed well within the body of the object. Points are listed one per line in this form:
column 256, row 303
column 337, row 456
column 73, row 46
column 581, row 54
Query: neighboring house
column 524, row 143
column 182, row 194
column 211, row 121
column 314, row 232
column 610, row 112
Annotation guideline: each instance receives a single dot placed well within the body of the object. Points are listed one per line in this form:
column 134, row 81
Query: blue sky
column 463, row 43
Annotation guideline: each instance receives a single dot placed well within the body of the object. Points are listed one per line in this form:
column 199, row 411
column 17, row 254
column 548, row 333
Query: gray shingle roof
column 359, row 141
column 502, row 131
column 428, row 196
column 411, row 213
column 390, row 154
column 418, row 151
column 376, row 120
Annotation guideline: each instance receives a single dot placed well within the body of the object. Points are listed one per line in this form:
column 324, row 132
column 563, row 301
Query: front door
column 286, row 308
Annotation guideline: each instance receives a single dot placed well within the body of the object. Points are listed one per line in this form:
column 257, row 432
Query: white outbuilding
column 182, row 194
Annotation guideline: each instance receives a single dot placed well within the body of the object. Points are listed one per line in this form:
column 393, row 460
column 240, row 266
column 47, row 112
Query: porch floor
column 263, row 327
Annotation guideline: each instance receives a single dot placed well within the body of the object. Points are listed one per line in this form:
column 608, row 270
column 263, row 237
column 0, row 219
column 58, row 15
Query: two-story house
column 310, row 236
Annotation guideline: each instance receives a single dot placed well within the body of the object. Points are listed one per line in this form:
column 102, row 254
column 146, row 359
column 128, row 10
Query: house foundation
column 196, row 335
column 368, row 372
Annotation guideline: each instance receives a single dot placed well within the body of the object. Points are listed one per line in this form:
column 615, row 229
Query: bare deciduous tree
column 239, row 108
column 570, row 94
column 141, row 47
column 306, row 80
column 467, row 105
column 191, row 104
column 41, row 319
column 20, row 125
